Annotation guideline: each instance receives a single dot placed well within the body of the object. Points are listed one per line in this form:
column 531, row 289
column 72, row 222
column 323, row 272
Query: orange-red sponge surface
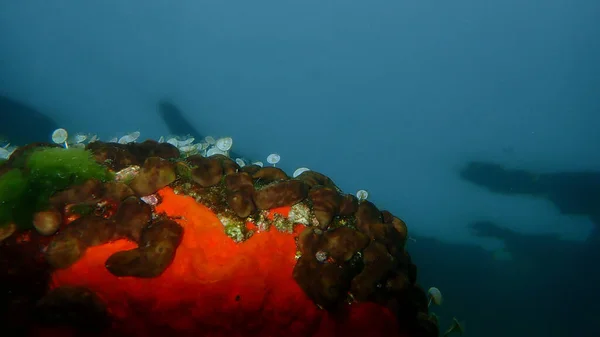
column 216, row 287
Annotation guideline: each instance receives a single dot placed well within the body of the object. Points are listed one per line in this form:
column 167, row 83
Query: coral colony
column 175, row 237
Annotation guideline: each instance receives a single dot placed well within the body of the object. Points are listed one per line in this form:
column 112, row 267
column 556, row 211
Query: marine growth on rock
column 141, row 232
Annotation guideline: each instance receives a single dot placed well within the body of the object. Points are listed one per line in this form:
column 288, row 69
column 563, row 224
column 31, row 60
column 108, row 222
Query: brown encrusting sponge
column 157, row 246
column 237, row 240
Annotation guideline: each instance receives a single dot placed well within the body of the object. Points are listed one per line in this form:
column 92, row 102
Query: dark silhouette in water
column 545, row 281
column 21, row 124
column 576, row 193
column 179, row 126
column 176, row 122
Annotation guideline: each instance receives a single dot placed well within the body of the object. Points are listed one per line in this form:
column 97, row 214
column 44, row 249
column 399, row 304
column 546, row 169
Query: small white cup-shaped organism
column 435, row 296
column 173, row 141
column 135, row 135
column 210, row 140
column 273, row 159
column 186, row 141
column 129, row 138
column 362, row 195
column 224, row 144
column 214, row 150
column 79, row 138
column 240, row 162
column 258, row 163
column 59, row 136
column 456, row 326
column 188, row 150
column 299, row 171
column 7, row 151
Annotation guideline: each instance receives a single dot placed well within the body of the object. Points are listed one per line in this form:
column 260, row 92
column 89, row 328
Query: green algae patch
column 13, row 186
column 43, row 172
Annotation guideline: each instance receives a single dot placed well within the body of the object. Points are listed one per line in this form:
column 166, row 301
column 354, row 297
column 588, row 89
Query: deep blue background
column 390, row 96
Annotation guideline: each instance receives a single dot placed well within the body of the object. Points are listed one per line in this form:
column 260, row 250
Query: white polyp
column 59, row 136
column 173, row 141
column 273, row 159
column 187, row 148
column 299, row 171
column 80, row 138
column 6, row 152
column 214, row 150
column 186, row 142
column 129, row 138
column 240, row 162
column 224, row 144
column 258, row 163
column 362, row 195
column 210, row 140
column 134, row 136
column 435, row 296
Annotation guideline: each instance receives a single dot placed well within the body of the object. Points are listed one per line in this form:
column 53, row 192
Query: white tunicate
column 59, row 136
column 435, row 296
column 187, row 141
column 135, row 135
column 300, row 171
column 173, row 141
column 113, row 140
column 214, row 150
column 4, row 153
column 11, row 149
column 188, row 148
column 93, row 139
column 79, row 138
column 210, row 140
column 161, row 139
column 273, row 159
column 362, row 195
column 240, row 162
column 258, row 163
column 129, row 138
column 224, row 144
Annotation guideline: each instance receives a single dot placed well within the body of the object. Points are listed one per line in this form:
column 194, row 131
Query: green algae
column 13, row 187
column 37, row 175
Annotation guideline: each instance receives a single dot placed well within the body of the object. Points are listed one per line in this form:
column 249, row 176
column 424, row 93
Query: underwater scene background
column 475, row 121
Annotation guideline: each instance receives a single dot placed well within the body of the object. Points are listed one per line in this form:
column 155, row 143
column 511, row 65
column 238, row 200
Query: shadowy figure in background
column 178, row 125
column 21, row 124
column 175, row 120
column 576, row 193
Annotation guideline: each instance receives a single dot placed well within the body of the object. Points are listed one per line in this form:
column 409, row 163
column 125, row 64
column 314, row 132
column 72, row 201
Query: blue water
column 395, row 97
